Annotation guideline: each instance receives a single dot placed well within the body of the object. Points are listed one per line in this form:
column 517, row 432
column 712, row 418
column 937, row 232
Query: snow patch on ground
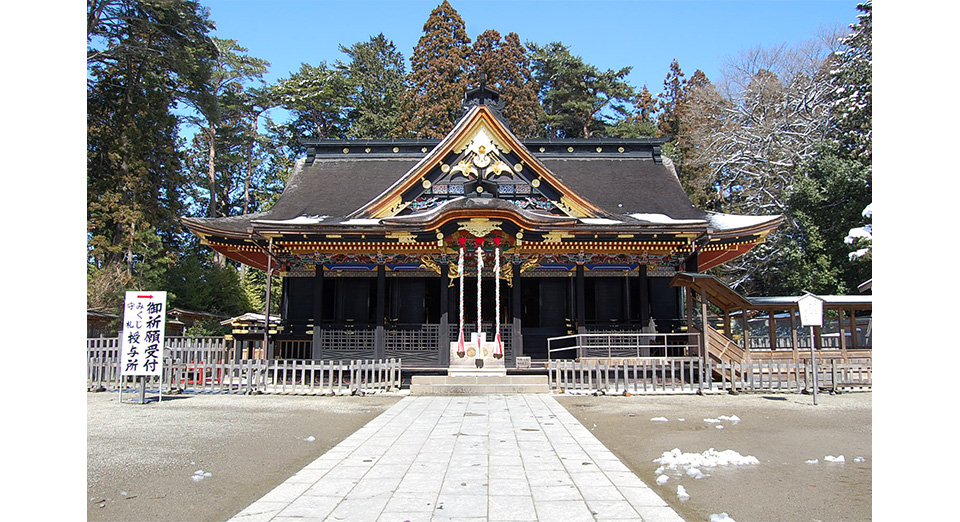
column 721, row 517
column 682, row 494
column 679, row 461
column 200, row 475
column 659, row 419
column 723, row 418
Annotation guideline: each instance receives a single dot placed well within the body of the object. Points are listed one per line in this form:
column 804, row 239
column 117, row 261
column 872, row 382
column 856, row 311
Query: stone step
column 478, row 384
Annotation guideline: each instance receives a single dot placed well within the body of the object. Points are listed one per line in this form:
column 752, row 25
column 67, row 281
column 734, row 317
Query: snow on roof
column 721, row 221
column 663, row 219
column 299, row 220
column 251, row 316
column 828, row 299
column 600, row 221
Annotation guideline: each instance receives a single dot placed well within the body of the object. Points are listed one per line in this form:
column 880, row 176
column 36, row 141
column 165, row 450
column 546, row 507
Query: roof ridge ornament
column 484, row 95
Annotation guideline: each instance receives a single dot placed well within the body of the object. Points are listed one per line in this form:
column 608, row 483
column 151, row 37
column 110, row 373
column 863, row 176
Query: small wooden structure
column 742, row 328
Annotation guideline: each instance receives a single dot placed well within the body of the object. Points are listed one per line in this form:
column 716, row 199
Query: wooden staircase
column 721, row 349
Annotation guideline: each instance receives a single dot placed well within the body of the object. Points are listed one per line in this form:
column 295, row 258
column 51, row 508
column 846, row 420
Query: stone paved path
column 459, row 458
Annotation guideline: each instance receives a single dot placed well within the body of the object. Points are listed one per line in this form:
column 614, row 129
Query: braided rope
column 460, row 347
column 480, row 335
column 498, row 351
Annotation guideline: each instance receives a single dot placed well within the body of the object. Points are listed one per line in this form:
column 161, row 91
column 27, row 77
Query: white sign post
column 811, row 314
column 141, row 349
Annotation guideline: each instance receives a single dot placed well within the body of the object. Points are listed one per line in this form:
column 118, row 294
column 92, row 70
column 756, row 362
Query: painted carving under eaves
column 480, row 166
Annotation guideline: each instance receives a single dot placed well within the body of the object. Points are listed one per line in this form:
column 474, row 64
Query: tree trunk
column 212, row 181
column 211, row 170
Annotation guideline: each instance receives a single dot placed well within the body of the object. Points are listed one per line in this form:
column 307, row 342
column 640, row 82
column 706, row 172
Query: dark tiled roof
column 328, row 187
column 623, row 185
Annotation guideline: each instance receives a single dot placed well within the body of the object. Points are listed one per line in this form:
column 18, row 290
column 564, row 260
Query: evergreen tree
column 505, row 65
column 701, row 109
column 319, row 99
column 646, row 106
column 669, row 101
column 231, row 70
column 142, row 57
column 438, row 78
column 376, row 72
column 852, row 74
column 578, row 98
column 197, row 282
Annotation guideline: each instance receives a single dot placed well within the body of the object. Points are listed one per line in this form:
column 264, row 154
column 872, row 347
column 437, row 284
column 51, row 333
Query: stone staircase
column 478, row 384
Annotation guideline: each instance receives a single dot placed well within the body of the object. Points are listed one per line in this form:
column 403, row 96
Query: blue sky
column 610, row 34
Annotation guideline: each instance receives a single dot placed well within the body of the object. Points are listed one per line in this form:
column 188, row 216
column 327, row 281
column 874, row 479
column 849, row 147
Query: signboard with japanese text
column 811, row 310
column 144, row 321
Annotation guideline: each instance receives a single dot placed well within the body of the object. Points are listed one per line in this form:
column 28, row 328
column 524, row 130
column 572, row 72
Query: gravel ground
column 782, row 431
column 142, row 459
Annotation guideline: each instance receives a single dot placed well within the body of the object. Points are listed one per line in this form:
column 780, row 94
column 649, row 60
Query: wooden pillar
column 515, row 308
column 267, row 347
column 793, row 334
column 644, row 297
column 854, row 342
column 380, row 335
column 444, row 315
column 704, row 344
column 626, row 298
column 316, row 352
column 772, row 329
column 843, row 335
column 745, row 326
column 581, row 301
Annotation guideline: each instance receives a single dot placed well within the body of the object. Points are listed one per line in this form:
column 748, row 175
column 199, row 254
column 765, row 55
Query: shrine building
column 568, row 236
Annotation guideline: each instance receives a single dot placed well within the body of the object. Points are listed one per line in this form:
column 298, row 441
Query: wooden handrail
column 720, row 346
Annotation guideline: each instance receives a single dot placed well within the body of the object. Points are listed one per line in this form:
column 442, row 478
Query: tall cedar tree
column 142, row 58
column 375, row 72
column 697, row 108
column 669, row 101
column 576, row 96
column 438, row 78
column 505, row 65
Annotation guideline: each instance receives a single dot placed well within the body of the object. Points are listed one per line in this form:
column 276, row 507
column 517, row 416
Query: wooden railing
column 625, row 345
column 721, row 347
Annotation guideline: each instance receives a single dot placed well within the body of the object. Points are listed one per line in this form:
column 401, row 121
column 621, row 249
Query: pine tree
column 578, row 98
column 319, row 98
column 438, row 78
column 231, row 70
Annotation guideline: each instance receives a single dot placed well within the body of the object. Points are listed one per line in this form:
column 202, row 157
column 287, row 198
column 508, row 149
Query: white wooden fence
column 689, row 375
column 183, row 348
column 288, row 377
